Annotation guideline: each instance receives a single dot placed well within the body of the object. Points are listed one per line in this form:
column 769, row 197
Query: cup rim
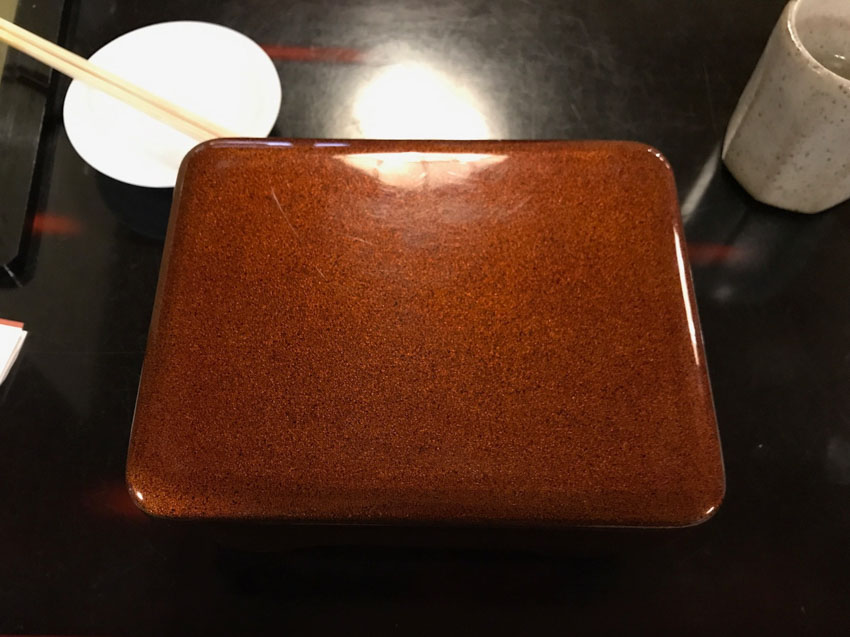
column 791, row 24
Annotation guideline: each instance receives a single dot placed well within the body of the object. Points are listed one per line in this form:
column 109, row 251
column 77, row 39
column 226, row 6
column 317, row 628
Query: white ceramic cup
column 788, row 141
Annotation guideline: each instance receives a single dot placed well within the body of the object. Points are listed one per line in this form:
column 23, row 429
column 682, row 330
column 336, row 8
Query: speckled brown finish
column 491, row 332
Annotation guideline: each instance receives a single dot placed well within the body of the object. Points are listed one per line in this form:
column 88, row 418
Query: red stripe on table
column 113, row 500
column 313, row 54
column 49, row 223
column 703, row 253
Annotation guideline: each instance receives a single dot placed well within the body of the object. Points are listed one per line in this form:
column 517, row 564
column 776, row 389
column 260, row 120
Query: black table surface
column 76, row 557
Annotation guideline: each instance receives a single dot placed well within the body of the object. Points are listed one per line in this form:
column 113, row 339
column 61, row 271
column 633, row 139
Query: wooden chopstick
column 81, row 69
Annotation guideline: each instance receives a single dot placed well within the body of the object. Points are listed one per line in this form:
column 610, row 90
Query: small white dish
column 209, row 69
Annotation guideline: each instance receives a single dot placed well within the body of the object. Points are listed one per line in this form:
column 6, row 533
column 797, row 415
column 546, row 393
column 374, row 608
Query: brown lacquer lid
column 421, row 332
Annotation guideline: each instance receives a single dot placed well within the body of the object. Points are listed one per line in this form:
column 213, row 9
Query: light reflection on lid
column 683, row 279
column 418, row 170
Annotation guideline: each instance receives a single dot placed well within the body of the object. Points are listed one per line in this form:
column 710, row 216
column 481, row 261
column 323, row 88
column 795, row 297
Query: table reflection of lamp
column 411, row 100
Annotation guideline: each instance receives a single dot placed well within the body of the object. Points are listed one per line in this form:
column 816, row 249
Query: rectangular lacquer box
column 426, row 332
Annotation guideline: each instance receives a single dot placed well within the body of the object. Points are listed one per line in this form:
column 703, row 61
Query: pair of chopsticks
column 81, row 69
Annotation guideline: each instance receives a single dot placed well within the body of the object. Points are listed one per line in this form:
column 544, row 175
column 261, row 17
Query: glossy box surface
column 419, row 332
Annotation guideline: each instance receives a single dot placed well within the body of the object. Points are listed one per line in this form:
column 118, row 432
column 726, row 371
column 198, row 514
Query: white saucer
column 207, row 68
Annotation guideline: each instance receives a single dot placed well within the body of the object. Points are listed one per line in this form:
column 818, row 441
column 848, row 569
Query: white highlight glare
column 418, row 170
column 683, row 279
column 701, row 183
column 413, row 101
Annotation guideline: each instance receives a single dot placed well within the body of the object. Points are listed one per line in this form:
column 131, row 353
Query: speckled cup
column 788, row 141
